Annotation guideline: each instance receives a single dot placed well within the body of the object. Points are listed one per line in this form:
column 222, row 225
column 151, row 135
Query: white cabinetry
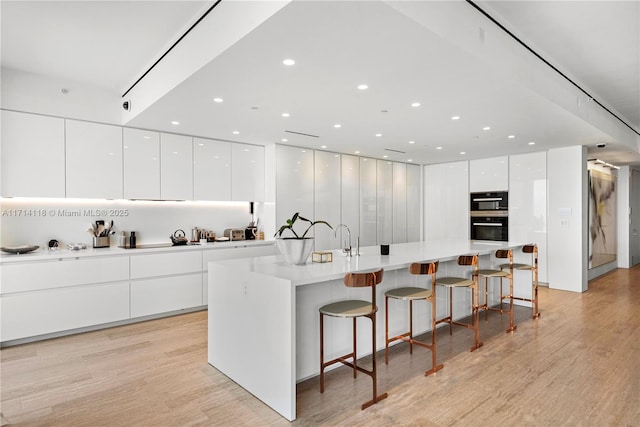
column 446, row 201
column 165, row 282
column 384, row 201
column 528, row 206
column 211, row 170
column 176, row 167
column 52, row 296
column 400, row 203
column 413, row 203
column 247, row 172
column 327, row 198
column 141, row 164
column 32, row 155
column 294, row 184
column 350, row 196
column 368, row 203
column 94, row 160
column 489, row 174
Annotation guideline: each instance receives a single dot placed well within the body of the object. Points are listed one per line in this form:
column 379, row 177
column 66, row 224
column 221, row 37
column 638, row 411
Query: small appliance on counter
column 179, row 238
column 251, row 232
column 234, row 234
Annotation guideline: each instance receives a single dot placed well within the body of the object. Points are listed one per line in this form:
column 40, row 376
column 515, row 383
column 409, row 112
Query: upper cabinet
column 489, row 174
column 247, row 172
column 413, row 203
column 33, row 159
column 141, row 164
column 384, row 201
column 368, row 202
column 211, row 170
column 176, row 167
column 294, row 184
column 94, row 160
column 327, row 198
column 350, row 209
column 400, row 222
column 446, row 201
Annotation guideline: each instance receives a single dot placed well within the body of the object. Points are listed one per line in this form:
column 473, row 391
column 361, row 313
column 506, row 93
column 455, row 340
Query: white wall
column 567, row 229
column 40, row 94
column 29, row 221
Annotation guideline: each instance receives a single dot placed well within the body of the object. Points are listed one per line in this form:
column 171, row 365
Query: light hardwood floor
column 578, row 365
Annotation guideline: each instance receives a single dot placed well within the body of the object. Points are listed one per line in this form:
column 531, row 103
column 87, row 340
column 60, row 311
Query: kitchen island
column 263, row 314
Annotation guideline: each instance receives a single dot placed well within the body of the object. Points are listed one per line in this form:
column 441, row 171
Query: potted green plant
column 296, row 249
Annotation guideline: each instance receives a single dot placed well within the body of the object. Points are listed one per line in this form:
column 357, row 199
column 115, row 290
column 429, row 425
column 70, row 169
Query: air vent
column 395, row 151
column 303, row 134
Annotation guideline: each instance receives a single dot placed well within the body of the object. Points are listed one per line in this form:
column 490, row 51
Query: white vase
column 295, row 251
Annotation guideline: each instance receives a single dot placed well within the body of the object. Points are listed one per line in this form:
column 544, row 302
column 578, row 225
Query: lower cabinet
column 29, row 314
column 163, row 294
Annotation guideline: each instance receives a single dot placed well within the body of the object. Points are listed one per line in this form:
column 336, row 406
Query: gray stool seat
column 409, row 293
column 455, row 281
column 349, row 308
column 518, row 266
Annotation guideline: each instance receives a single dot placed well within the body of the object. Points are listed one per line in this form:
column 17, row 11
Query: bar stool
column 352, row 309
column 472, row 285
column 501, row 274
column 412, row 294
column 532, row 249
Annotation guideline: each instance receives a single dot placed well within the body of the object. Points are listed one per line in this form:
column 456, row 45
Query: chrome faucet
column 346, row 249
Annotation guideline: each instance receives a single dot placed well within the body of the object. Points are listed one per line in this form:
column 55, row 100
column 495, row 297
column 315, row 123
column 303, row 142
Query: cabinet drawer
column 63, row 272
column 153, row 296
column 55, row 310
column 165, row 264
column 236, row 253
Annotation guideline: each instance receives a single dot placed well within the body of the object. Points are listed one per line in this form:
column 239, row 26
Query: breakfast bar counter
column 263, row 326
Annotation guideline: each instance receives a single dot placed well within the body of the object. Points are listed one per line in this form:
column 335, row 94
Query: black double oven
column 489, row 216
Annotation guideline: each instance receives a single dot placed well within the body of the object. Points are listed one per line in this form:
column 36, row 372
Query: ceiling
column 338, row 46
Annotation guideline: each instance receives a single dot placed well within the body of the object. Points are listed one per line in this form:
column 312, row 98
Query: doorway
column 634, row 226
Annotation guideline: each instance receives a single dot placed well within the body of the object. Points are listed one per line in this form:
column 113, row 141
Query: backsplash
column 35, row 221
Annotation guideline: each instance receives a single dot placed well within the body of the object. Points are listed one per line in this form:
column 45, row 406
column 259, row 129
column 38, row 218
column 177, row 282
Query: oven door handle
column 489, row 224
column 488, row 199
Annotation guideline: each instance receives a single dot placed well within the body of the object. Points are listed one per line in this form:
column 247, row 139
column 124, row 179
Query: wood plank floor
column 578, row 365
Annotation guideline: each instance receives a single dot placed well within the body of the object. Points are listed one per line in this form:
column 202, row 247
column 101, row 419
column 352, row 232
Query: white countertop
column 401, row 255
column 42, row 254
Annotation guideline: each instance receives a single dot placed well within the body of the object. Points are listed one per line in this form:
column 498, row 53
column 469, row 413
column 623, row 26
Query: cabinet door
column 165, row 294
column 384, row 201
column 489, row 174
column 350, row 171
column 368, row 204
column 294, row 183
column 176, row 167
column 399, row 203
column 141, row 164
column 413, row 203
column 32, row 155
column 327, row 198
column 165, row 264
column 28, row 314
column 94, row 160
column 211, row 170
column 446, row 201
column 247, row 172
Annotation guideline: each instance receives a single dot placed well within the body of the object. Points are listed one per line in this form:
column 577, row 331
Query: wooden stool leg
column 474, row 313
column 355, row 353
column 536, row 312
column 434, row 356
column 486, row 298
column 374, row 376
column 410, row 326
column 512, row 327
column 450, row 311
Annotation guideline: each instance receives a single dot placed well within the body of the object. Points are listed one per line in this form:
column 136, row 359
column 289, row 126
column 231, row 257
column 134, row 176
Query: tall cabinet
column 446, row 201
column 327, row 197
column 141, row 164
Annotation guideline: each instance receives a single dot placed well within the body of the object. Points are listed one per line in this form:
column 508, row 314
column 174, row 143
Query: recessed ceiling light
column 146, row 137
column 455, row 117
column 363, row 87
column 438, row 148
column 385, row 156
column 412, row 142
column 201, row 144
column 532, row 143
column 289, row 62
column 463, row 152
column 415, row 104
column 175, row 152
column 286, row 114
column 511, row 136
column 218, row 100
column 486, row 128
column 409, row 160
column 323, row 146
column 235, row 132
column 284, row 140
column 378, row 134
column 303, row 151
column 357, row 152
column 175, row 122
column 337, row 125
column 246, row 149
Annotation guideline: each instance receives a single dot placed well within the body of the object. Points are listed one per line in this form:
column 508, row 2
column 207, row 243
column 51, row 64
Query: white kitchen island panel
column 274, row 308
